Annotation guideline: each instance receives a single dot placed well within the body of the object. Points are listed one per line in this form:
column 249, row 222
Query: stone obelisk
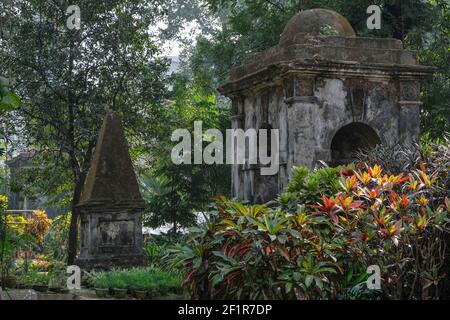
column 111, row 205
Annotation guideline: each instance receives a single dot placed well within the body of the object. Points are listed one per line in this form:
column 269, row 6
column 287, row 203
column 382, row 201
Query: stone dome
column 314, row 21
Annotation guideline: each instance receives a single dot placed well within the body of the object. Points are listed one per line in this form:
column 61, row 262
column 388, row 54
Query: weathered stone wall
column 342, row 102
column 110, row 239
column 309, row 119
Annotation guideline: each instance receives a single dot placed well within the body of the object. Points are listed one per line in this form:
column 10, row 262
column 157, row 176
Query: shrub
column 34, row 278
column 40, row 263
column 155, row 281
column 38, row 225
column 11, row 238
column 58, row 274
column 153, row 252
column 156, row 246
column 100, row 281
column 306, row 187
column 394, row 158
column 55, row 242
column 321, row 247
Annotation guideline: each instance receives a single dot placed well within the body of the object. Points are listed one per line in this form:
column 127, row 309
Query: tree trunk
column 73, row 230
column 175, row 228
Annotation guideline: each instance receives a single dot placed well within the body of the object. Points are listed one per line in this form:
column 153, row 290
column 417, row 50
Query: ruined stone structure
column 328, row 95
column 18, row 199
column 111, row 205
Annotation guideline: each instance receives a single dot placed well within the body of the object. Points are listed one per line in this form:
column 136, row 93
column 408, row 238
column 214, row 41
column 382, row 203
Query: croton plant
column 318, row 239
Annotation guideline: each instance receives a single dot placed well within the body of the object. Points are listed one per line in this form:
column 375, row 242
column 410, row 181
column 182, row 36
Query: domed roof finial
column 315, row 22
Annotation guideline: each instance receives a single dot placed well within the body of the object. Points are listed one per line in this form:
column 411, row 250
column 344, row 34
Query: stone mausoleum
column 328, row 92
column 111, row 205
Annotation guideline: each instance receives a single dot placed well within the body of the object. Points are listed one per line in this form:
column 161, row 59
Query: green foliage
column 306, row 187
column 328, row 30
column 11, row 240
column 34, row 277
column 432, row 45
column 8, row 99
column 55, row 242
column 8, row 102
column 155, row 281
column 100, row 281
column 152, row 252
column 397, row 158
column 175, row 192
column 157, row 247
column 322, row 250
column 169, row 198
column 58, row 274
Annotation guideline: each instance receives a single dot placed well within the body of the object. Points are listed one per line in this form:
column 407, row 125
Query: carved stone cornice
column 273, row 74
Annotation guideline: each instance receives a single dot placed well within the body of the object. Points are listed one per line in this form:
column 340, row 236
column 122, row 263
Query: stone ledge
column 349, row 50
column 30, row 294
column 237, row 117
column 410, row 103
column 109, row 262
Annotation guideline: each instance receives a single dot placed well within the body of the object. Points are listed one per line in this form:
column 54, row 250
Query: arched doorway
column 351, row 138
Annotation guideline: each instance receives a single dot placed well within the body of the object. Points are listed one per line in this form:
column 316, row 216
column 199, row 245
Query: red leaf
column 402, row 179
column 365, row 236
column 356, row 204
column 334, row 217
column 268, row 250
column 405, row 201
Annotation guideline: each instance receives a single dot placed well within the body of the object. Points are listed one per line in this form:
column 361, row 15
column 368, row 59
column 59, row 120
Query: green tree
column 8, row 102
column 175, row 192
column 69, row 78
column 433, row 47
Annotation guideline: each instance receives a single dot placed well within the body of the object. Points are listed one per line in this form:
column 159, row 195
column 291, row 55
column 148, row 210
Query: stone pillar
column 250, row 121
column 409, row 105
column 299, row 92
column 237, row 122
column 284, row 147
